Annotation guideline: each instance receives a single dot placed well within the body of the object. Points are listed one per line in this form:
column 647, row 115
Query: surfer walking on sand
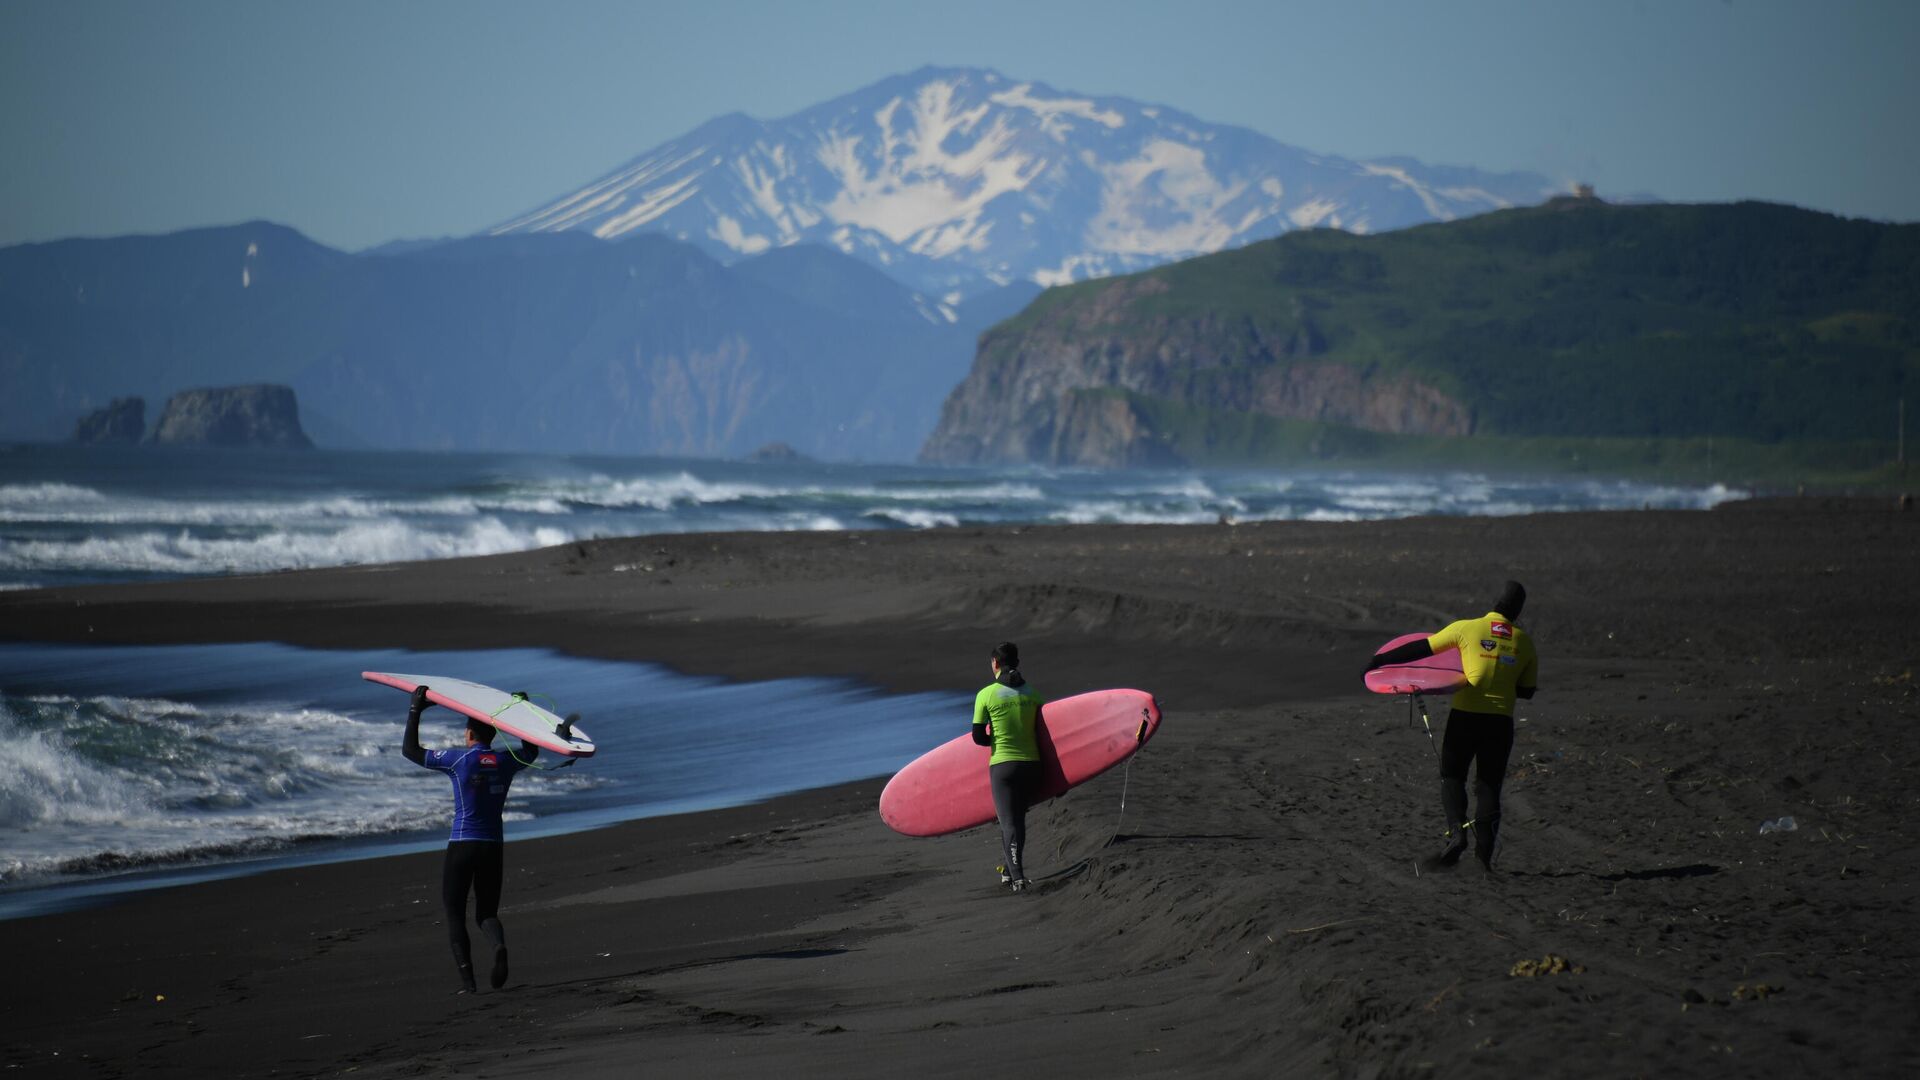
column 1497, row 658
column 1006, row 717
column 481, row 776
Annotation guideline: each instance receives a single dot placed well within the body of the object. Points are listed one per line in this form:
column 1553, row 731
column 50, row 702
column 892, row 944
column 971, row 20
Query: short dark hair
column 1008, row 654
column 481, row 730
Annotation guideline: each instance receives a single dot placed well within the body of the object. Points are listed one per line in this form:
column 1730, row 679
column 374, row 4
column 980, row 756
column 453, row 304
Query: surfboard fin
column 565, row 730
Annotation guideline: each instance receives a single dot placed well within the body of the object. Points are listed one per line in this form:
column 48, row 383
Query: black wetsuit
column 475, row 858
column 1485, row 741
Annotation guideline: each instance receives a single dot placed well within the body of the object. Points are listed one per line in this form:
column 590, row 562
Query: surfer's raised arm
column 1412, row 650
column 410, row 742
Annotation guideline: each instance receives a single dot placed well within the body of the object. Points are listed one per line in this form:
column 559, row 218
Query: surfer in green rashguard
column 1498, row 660
column 1005, row 717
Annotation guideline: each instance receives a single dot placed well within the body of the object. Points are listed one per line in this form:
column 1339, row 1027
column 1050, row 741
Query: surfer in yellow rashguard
column 1497, row 657
column 1006, row 717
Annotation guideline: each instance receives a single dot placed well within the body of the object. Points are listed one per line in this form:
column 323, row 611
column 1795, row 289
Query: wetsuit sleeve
column 1412, row 650
column 410, row 740
column 981, row 718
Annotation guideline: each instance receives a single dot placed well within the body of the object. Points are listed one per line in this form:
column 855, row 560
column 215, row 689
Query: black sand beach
column 1255, row 912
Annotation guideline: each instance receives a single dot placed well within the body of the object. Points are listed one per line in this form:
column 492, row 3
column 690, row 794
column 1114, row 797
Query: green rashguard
column 1012, row 711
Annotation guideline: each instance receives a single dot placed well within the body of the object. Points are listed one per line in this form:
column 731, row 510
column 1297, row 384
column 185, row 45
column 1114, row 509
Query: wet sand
column 1254, row 912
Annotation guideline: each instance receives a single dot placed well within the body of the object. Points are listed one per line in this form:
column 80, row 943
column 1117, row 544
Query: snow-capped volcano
column 954, row 180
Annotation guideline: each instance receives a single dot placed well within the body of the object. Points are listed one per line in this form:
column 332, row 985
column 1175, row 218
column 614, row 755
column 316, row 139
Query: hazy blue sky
column 361, row 122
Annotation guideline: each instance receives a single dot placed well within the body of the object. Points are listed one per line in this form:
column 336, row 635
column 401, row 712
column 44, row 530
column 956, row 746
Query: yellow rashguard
column 1495, row 655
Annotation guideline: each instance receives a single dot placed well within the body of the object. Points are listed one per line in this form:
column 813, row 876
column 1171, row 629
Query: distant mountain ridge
column 955, row 180
column 1575, row 319
column 557, row 343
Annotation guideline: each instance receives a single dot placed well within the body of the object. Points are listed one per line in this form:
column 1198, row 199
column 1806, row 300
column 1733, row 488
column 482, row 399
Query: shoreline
column 1252, row 911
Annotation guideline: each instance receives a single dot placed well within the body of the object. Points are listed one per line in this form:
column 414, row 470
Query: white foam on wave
column 683, row 489
column 379, row 541
column 962, row 493
column 102, row 510
column 28, row 495
column 1621, row 495
column 111, row 783
column 129, row 781
column 659, row 492
column 1120, row 512
column 1383, row 493
column 1183, row 487
column 914, row 519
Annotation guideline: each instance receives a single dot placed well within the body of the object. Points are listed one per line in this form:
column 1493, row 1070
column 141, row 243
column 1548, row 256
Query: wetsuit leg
column 1456, row 754
column 1495, row 746
column 1012, row 784
column 489, row 865
column 456, row 878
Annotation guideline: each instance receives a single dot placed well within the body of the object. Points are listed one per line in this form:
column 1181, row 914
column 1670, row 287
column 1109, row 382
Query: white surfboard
column 511, row 713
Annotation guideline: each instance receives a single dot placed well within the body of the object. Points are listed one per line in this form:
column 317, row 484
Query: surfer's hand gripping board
column 945, row 789
column 510, row 713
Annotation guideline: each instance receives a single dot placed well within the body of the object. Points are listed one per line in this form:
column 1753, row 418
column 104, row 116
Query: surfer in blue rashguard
column 481, row 776
column 1005, row 717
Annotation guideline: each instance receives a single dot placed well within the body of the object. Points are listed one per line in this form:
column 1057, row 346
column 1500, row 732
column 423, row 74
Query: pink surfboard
column 945, row 789
column 1436, row 674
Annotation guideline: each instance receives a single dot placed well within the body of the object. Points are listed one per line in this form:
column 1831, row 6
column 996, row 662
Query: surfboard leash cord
column 1126, row 776
column 516, row 698
column 1415, row 699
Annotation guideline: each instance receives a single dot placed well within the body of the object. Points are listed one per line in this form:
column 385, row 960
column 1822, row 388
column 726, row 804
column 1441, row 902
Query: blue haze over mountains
column 818, row 280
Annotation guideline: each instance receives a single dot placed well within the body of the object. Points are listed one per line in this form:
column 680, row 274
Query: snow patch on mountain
column 1054, row 110
column 957, row 180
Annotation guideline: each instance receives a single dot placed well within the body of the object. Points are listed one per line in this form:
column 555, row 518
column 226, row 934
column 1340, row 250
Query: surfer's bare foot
column 498, row 976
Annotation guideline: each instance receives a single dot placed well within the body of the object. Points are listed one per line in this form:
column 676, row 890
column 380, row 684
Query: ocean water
column 92, row 514
column 129, row 767
column 135, row 766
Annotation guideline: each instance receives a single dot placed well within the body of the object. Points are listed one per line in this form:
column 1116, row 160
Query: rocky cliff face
column 124, row 420
column 259, row 416
column 1061, row 388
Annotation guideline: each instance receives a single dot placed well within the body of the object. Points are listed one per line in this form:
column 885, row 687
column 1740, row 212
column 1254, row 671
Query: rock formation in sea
column 264, row 415
column 123, row 420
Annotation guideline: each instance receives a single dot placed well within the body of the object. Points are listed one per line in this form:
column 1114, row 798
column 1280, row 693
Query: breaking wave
column 226, row 516
column 183, row 552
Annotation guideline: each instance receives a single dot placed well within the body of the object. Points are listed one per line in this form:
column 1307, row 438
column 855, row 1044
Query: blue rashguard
column 481, row 776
